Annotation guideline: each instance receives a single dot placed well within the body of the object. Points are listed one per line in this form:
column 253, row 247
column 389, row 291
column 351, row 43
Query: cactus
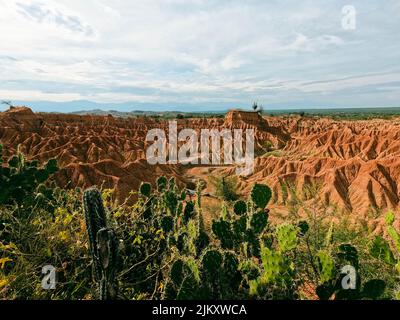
column 332, row 275
column 145, row 189
column 161, row 183
column 373, row 289
column 259, row 221
column 231, row 264
column 201, row 242
column 189, row 212
column 20, row 180
column 249, row 269
column 347, row 253
column 103, row 244
column 182, row 284
column 171, row 183
column 212, row 268
column 380, row 249
column 303, row 227
column 171, row 201
column 272, row 262
column 389, row 218
column 222, row 230
column 177, row 272
column 107, row 247
column 326, row 266
column 212, row 262
column 182, row 241
column 253, row 243
column 286, row 235
column 261, row 194
column 148, row 211
column 239, row 227
column 167, row 223
column 240, row 207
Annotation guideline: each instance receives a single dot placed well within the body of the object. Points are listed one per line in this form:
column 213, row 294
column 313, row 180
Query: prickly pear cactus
column 326, row 266
column 171, row 201
column 240, row 207
column 162, row 183
column 380, row 249
column 201, row 242
column 239, row 227
column 261, row 194
column 303, row 227
column 20, row 180
column 212, row 278
column 167, row 224
column 212, row 261
column 182, row 283
column 189, row 212
column 145, row 189
column 259, row 221
column 286, row 235
column 222, row 230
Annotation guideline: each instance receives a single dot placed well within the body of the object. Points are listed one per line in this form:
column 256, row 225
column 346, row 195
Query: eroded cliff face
column 354, row 165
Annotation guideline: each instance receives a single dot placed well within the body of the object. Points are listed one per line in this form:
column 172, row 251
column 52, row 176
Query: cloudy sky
column 66, row 55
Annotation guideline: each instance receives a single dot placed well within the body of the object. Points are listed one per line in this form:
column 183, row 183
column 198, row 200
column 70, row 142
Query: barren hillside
column 353, row 164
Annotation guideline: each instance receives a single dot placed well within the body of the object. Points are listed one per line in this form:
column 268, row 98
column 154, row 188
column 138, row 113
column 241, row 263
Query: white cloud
column 53, row 15
column 159, row 50
column 303, row 43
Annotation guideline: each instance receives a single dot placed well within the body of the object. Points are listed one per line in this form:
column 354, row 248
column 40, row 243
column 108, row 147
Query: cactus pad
column 240, row 207
column 261, row 194
column 145, row 189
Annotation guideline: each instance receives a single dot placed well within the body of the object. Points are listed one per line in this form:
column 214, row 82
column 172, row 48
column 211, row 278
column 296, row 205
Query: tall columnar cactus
column 1, row 154
column 103, row 244
column 107, row 248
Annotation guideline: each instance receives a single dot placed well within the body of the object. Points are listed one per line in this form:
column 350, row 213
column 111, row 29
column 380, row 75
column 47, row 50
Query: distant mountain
column 79, row 105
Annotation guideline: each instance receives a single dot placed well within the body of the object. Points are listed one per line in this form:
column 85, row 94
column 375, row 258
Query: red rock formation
column 353, row 164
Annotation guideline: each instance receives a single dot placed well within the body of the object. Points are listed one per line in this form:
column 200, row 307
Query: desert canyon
column 354, row 164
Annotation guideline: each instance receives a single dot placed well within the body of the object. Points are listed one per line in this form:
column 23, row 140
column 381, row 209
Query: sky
column 189, row 55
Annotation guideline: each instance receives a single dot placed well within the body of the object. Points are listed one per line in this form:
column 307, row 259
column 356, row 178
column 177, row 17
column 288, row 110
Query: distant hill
column 154, row 114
